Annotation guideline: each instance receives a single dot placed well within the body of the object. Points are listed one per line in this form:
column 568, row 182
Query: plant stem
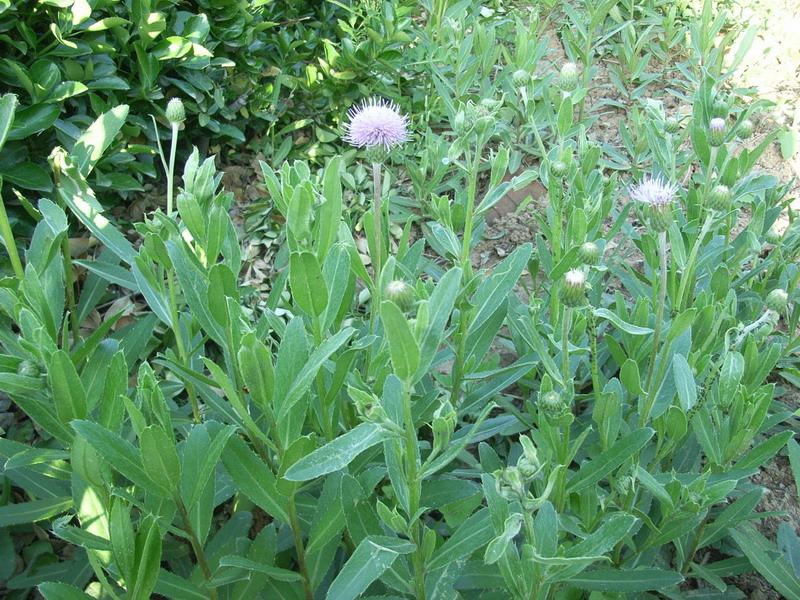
column 11, row 245
column 171, row 170
column 377, row 221
column 197, row 547
column 69, row 280
column 566, row 321
column 688, row 275
column 414, row 493
column 297, row 535
column 470, row 209
column 662, row 299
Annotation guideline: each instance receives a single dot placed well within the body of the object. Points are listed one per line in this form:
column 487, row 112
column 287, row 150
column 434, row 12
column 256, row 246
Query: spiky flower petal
column 376, row 122
column 658, row 195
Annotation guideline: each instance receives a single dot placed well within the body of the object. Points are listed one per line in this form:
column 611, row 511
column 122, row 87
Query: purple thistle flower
column 376, row 122
column 717, row 124
column 654, row 191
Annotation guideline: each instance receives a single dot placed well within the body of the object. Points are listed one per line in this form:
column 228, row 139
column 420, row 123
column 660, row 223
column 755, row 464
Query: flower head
column 658, row 195
column 654, row 191
column 376, row 122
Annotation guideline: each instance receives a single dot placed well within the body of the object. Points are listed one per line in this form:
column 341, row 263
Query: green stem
column 377, row 221
column 297, row 535
column 688, row 274
column 414, row 494
column 662, row 299
column 171, row 171
column 11, row 245
column 197, row 547
column 176, row 328
column 470, row 209
column 531, row 535
column 566, row 321
column 69, row 280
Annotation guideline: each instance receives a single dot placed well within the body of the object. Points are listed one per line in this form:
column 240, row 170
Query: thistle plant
column 378, row 126
column 658, row 197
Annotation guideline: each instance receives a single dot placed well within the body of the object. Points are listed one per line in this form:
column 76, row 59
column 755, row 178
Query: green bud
column 719, row 198
column 573, row 288
column 720, row 107
column 568, row 77
column 401, row 294
column 552, row 405
column 589, row 253
column 716, row 131
column 484, row 124
column 176, row 114
column 528, row 464
column 376, row 154
column 777, row 300
column 460, row 126
column 521, row 78
column 29, row 368
column 745, row 129
column 559, row 169
column 660, row 217
column 774, row 236
column 672, row 125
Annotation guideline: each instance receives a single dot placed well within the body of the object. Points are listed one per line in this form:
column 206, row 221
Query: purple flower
column 717, row 124
column 376, row 122
column 654, row 191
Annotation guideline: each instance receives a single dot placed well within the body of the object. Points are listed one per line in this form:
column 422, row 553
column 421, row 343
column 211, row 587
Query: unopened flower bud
column 672, row 125
column 745, row 129
column 773, row 236
column 521, row 78
column 176, row 114
column 401, row 294
column 568, row 77
column 528, row 464
column 660, row 217
column 573, row 288
column 510, row 484
column 552, row 405
column 559, row 169
column 29, row 368
column 720, row 107
column 460, row 126
column 719, row 198
column 777, row 300
column 589, row 253
column 716, row 131
column 484, row 124
column 376, row 154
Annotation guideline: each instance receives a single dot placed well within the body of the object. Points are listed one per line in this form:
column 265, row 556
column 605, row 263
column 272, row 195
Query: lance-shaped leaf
column 337, row 454
column 373, row 556
column 308, row 285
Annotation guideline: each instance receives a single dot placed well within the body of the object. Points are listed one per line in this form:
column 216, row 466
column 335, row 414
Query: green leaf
column 403, row 348
column 593, row 471
column 255, row 364
column 8, row 104
column 565, row 116
column 35, row 510
column 778, row 571
column 473, row 534
column 90, row 146
column 620, row 324
column 308, row 284
column 147, row 560
column 684, row 381
column 159, row 457
column 119, row 453
column 273, row 572
column 681, row 323
column 29, row 176
column 613, row 580
column 338, row 453
column 62, row 591
column 253, row 478
column 373, row 556
column 69, row 396
column 764, row 451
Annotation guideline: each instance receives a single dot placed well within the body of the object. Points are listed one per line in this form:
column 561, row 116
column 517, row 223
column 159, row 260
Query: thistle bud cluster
column 672, row 125
column 777, row 300
column 370, row 410
column 521, row 78
column 443, row 425
column 513, row 482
